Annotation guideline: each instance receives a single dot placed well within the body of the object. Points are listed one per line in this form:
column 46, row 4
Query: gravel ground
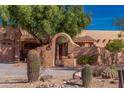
column 14, row 76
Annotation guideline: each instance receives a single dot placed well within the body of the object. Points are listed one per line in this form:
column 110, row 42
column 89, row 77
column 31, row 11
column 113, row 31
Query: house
column 62, row 51
column 101, row 37
column 85, row 41
column 14, row 44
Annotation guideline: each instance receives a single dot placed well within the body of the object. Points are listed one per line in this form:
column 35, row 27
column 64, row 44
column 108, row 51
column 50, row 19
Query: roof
column 85, row 38
column 102, row 37
column 101, row 34
column 26, row 36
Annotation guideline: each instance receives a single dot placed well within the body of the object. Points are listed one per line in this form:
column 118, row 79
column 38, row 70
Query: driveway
column 18, row 70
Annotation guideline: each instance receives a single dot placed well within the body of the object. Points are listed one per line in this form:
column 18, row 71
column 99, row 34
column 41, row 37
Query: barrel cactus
column 87, row 76
column 109, row 73
column 33, row 65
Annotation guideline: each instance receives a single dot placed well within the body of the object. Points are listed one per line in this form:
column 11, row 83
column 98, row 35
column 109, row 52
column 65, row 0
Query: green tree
column 45, row 21
column 120, row 23
column 114, row 47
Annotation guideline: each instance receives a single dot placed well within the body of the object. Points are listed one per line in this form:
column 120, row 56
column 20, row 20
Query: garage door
column 6, row 52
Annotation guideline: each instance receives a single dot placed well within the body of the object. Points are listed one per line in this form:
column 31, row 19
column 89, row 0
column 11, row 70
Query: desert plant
column 86, row 59
column 113, row 66
column 97, row 70
column 86, row 76
column 33, row 65
column 109, row 73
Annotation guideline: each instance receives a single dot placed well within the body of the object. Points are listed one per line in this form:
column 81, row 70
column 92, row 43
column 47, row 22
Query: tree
column 114, row 47
column 120, row 23
column 45, row 21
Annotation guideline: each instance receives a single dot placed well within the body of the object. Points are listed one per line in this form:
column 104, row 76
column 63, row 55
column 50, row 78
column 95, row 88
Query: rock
column 45, row 77
column 77, row 75
column 113, row 82
column 64, row 82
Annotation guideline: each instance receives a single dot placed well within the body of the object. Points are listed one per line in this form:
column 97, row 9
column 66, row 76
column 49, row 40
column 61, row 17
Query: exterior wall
column 49, row 51
column 47, row 57
column 70, row 62
column 85, row 44
column 9, row 45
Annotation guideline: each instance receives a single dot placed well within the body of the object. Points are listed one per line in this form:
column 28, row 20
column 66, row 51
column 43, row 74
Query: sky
column 104, row 16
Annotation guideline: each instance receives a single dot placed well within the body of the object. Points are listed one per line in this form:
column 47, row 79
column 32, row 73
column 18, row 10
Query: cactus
column 109, row 73
column 33, row 65
column 87, row 76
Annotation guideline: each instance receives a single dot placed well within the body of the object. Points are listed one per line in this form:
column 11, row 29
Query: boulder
column 77, row 75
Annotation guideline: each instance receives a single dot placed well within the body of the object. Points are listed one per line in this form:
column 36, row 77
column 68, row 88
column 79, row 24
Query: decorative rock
column 77, row 75
column 45, row 78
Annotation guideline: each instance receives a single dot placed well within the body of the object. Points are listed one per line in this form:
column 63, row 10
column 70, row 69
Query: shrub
column 109, row 73
column 97, row 70
column 86, row 59
column 113, row 66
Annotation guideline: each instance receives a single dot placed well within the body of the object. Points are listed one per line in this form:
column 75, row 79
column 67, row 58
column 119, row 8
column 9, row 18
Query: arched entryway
column 64, row 49
column 61, row 50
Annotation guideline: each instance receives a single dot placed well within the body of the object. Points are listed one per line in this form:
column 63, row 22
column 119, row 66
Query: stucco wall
column 49, row 50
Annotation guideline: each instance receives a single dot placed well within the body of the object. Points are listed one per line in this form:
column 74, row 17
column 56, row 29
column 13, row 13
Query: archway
column 68, row 45
column 61, row 50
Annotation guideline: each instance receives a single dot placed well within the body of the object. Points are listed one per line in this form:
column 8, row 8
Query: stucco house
column 62, row 51
column 102, row 37
column 14, row 44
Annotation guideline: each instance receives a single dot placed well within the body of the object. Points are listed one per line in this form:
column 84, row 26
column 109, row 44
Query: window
column 4, row 34
column 3, row 43
column 9, row 44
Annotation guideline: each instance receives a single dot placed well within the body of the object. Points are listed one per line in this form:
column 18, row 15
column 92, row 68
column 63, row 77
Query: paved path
column 19, row 70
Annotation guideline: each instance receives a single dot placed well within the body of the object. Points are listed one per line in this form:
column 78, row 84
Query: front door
column 61, row 51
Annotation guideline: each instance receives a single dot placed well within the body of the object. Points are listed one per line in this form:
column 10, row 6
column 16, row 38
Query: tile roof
column 85, row 38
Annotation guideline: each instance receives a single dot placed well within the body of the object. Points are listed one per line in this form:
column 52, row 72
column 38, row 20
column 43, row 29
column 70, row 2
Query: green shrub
column 113, row 66
column 86, row 60
column 87, row 76
column 109, row 73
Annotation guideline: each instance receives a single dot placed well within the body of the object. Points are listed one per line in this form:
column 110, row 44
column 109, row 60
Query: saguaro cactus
column 33, row 65
column 87, row 76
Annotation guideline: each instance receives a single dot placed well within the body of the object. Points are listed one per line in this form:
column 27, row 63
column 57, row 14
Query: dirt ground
column 14, row 76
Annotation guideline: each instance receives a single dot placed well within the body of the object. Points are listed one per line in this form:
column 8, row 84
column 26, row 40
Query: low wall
column 70, row 62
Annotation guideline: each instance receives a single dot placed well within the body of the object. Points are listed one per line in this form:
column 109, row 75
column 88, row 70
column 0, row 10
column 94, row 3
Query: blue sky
column 104, row 16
